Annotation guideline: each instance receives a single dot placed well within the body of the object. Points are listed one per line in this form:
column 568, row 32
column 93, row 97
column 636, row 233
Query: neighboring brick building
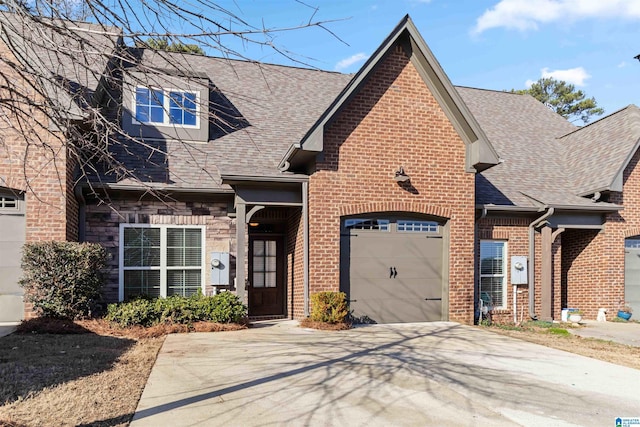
column 417, row 198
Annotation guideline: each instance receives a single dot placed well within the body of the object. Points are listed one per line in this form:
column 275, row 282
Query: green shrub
column 62, row 279
column 329, row 307
column 222, row 308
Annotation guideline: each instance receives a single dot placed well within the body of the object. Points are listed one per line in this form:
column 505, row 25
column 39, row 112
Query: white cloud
column 348, row 62
column 575, row 76
column 529, row 14
column 622, row 64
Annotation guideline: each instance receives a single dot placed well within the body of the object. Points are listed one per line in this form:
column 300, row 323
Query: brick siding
column 103, row 226
column 393, row 120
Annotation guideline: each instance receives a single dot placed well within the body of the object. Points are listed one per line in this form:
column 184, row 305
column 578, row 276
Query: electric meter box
column 219, row 268
column 519, row 274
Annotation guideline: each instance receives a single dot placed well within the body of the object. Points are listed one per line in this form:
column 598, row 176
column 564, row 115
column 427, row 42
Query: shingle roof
column 277, row 105
column 595, row 154
column 68, row 58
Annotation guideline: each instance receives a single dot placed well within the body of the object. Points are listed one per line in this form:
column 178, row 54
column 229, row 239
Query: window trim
column 166, row 107
column 163, row 267
column 503, row 303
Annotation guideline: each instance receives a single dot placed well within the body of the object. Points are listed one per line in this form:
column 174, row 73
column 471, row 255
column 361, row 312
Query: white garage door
column 12, row 236
column 391, row 269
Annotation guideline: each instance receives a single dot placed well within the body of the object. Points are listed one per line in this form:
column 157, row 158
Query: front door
column 266, row 268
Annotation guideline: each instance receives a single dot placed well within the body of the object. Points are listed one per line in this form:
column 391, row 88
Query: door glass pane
column 258, row 247
column 270, row 248
column 258, row 280
column 270, row 264
column 270, row 280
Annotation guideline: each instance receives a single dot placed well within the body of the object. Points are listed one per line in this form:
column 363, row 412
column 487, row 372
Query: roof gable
column 480, row 153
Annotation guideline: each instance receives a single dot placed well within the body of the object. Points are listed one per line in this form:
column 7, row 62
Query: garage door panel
column 12, row 236
column 632, row 277
column 397, row 310
column 380, row 296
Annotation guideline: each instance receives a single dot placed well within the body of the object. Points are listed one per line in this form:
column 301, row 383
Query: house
column 417, row 198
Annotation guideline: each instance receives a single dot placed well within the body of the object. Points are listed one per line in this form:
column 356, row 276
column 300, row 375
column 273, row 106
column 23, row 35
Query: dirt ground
column 78, row 373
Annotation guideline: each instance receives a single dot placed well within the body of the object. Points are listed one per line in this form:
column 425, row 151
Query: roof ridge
column 246, row 61
column 488, row 90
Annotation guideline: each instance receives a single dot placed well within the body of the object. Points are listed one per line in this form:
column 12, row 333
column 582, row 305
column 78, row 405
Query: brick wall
column 33, row 158
column 515, row 231
column 103, row 226
column 393, row 120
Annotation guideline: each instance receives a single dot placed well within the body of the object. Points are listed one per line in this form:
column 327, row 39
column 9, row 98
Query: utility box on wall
column 220, row 268
column 519, row 274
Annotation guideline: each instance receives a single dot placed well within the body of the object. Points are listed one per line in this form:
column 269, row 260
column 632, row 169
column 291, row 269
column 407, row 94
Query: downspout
column 532, row 263
column 82, row 213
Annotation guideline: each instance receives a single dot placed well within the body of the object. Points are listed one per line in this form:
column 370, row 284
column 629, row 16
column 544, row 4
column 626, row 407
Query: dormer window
column 166, row 107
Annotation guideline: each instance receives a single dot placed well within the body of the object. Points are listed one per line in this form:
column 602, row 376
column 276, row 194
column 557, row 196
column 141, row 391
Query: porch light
column 254, row 224
column 401, row 175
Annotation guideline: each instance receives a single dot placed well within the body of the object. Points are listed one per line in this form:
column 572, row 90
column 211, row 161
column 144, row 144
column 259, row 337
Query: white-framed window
column 493, row 276
column 161, row 260
column 166, row 107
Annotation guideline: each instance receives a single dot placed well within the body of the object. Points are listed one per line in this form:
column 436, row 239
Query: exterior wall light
column 401, row 175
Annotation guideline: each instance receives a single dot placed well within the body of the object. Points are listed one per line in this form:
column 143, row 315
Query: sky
column 491, row 44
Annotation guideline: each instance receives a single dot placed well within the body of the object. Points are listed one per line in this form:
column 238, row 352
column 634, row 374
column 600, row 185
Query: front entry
column 266, row 276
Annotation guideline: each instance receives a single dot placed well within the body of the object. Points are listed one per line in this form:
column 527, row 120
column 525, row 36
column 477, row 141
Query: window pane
column 190, row 101
column 258, row 263
column 183, row 282
column 157, row 98
column 491, row 290
column 189, row 119
column 141, row 247
column 132, row 257
column 192, row 257
column 175, row 236
column 491, row 257
column 418, row 226
column 138, row 282
column 142, row 114
column 142, row 96
column 367, row 224
column 175, row 116
column 193, row 237
column 175, row 257
column 157, row 114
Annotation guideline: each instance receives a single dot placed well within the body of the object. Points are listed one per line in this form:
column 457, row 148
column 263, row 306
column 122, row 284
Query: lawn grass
column 78, row 373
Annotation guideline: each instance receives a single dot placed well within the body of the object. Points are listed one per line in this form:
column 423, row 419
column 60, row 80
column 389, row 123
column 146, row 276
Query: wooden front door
column 266, row 268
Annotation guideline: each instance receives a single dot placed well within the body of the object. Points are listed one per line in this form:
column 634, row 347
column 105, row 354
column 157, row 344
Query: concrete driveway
column 404, row 375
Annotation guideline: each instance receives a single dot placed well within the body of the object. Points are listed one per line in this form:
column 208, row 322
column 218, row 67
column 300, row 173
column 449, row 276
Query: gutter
column 297, row 178
column 532, row 264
